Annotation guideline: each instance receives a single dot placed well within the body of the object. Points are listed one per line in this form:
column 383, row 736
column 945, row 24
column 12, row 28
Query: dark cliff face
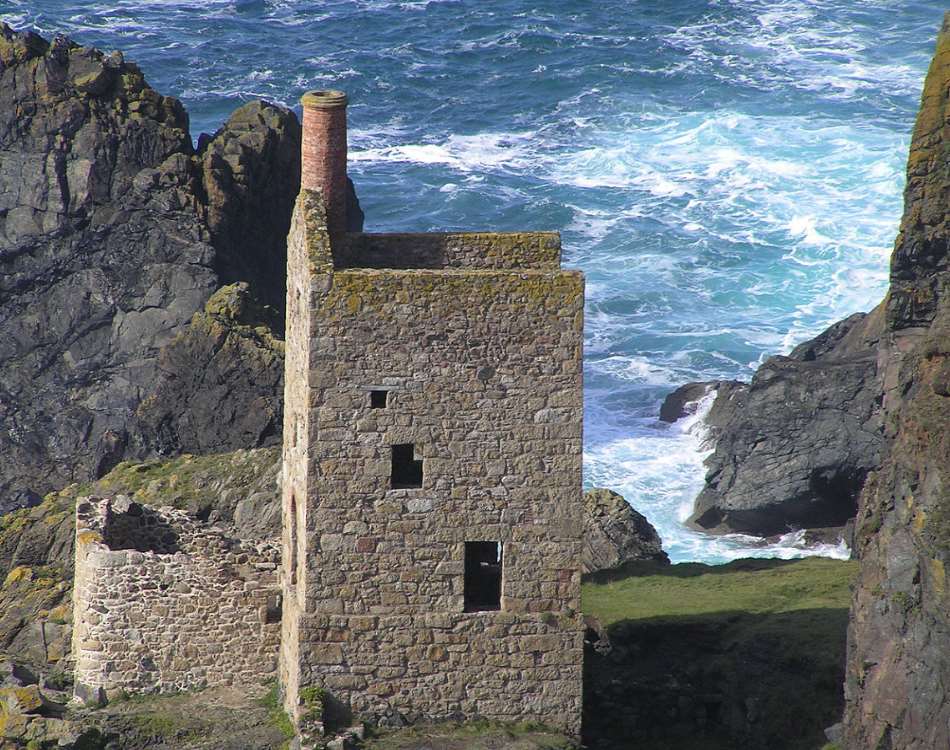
column 220, row 382
column 113, row 233
column 898, row 684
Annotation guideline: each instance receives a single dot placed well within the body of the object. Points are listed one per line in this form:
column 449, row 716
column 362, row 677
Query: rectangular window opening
column 377, row 399
column 482, row 576
column 273, row 609
column 406, row 471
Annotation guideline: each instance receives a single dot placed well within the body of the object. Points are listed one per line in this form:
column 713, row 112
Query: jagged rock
column 113, row 233
column 250, row 173
column 793, row 448
column 614, row 533
column 220, row 381
column 683, row 401
column 101, row 252
column 898, row 674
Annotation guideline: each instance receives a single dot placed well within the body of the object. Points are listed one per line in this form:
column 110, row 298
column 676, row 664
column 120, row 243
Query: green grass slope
column 744, row 655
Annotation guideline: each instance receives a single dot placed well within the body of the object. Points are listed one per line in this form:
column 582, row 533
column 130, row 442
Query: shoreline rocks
column 615, row 534
column 114, row 232
column 794, row 446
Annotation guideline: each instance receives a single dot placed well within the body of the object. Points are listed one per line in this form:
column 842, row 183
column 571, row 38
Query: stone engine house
column 432, row 465
column 432, row 512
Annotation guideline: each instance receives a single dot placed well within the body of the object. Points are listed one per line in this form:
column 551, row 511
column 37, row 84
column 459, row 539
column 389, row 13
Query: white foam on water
column 659, row 470
column 464, row 153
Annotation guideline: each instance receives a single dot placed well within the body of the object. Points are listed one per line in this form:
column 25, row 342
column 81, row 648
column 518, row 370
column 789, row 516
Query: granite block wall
column 481, row 370
column 462, row 250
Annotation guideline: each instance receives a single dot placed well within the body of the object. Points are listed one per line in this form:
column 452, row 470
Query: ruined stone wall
column 163, row 602
column 482, row 371
column 471, row 250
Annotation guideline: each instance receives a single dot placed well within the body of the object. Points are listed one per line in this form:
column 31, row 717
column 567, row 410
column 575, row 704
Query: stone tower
column 432, row 466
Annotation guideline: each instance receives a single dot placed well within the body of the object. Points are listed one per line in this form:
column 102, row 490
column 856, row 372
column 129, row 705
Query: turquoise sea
column 728, row 173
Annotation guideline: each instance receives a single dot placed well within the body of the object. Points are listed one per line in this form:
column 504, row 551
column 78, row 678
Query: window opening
column 406, row 471
column 293, row 540
column 482, row 576
column 377, row 399
column 273, row 610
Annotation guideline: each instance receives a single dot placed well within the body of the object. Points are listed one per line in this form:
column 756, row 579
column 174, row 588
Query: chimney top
column 326, row 99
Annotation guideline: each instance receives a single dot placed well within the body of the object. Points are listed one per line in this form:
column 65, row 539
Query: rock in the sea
column 113, row 234
column 683, row 401
column 793, row 447
column 614, row 533
column 898, row 674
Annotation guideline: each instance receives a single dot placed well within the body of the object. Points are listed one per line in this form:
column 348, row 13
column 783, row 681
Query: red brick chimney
column 323, row 152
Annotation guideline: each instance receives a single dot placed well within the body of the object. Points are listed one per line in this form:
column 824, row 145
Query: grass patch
column 169, row 724
column 647, row 590
column 188, row 482
column 749, row 654
column 275, row 712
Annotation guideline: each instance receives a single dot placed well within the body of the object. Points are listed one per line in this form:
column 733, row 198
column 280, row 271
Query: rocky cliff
column 898, row 683
column 114, row 232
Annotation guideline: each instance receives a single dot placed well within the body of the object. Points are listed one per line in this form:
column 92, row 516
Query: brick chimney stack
column 323, row 152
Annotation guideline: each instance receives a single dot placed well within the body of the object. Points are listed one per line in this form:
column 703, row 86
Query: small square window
column 406, row 470
column 482, row 576
column 378, row 399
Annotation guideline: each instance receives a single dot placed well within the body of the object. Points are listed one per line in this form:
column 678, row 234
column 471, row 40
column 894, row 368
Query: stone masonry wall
column 469, row 250
column 163, row 602
column 308, row 262
column 483, row 374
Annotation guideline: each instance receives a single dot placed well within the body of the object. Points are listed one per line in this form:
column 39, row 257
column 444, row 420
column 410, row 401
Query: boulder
column 250, row 173
column 615, row 534
column 794, row 447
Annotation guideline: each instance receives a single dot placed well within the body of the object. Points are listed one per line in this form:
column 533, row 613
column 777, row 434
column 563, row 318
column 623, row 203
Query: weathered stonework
column 476, row 340
column 452, row 358
column 163, row 602
column 443, row 250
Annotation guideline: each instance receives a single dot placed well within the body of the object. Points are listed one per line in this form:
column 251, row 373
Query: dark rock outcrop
column 248, row 168
column 614, row 533
column 793, row 447
column 113, row 233
column 898, row 673
column 220, row 381
column 102, row 253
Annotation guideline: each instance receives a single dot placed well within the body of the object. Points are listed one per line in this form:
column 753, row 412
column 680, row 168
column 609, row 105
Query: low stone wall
column 470, row 250
column 163, row 602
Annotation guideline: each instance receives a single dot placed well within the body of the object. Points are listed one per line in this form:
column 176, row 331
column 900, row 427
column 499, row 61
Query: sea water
column 728, row 173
